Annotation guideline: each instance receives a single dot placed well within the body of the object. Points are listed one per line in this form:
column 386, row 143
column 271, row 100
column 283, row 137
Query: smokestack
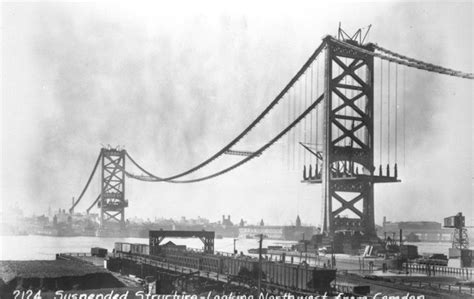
column 401, row 236
column 71, row 210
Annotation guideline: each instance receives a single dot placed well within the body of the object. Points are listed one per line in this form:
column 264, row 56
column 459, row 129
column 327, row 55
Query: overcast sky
column 173, row 84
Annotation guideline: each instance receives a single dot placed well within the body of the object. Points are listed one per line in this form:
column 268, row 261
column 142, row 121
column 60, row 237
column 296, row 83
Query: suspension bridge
column 342, row 118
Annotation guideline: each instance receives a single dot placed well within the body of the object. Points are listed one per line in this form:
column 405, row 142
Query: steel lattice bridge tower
column 111, row 199
column 112, row 195
column 345, row 153
column 341, row 145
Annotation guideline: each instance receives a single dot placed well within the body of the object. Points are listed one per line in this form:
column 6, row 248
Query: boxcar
column 142, row 249
column 97, row 251
column 211, row 263
column 238, row 266
column 122, row 247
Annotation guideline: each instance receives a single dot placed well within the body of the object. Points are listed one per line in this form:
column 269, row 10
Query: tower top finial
column 358, row 37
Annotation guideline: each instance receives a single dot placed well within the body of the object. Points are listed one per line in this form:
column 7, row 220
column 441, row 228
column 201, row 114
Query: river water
column 33, row 247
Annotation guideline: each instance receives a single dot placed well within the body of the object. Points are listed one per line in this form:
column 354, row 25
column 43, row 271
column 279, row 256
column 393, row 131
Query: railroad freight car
column 352, row 288
column 298, row 276
column 97, row 251
column 301, row 277
column 122, row 247
column 142, row 249
column 239, row 266
column 189, row 261
column 211, row 263
column 172, row 248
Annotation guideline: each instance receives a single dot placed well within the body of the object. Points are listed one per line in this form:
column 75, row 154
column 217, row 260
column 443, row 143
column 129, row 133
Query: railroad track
column 429, row 290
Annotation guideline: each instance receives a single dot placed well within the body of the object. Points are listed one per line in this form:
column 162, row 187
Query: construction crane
column 460, row 238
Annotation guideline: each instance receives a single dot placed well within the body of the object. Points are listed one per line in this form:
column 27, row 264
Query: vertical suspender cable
column 290, row 95
column 311, row 115
column 294, row 131
column 396, row 112
column 335, row 100
column 299, row 127
column 388, row 115
column 284, row 144
column 305, row 119
column 381, row 110
column 404, row 112
column 317, row 109
column 323, row 203
column 288, row 98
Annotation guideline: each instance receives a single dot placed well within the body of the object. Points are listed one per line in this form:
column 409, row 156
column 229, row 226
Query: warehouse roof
column 9, row 270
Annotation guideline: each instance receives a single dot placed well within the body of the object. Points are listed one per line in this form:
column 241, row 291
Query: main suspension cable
column 248, row 158
column 93, row 204
column 252, row 125
column 433, row 67
column 88, row 182
column 394, row 57
column 407, row 61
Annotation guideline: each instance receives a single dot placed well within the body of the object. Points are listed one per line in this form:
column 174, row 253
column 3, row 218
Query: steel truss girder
column 348, row 204
column 109, row 216
column 156, row 237
column 112, row 201
column 348, row 138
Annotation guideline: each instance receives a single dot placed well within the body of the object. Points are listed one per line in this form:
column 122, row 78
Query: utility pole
column 235, row 249
column 259, row 286
column 333, row 259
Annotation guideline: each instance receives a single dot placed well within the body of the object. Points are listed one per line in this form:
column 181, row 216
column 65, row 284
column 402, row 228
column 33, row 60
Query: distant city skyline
column 235, row 220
